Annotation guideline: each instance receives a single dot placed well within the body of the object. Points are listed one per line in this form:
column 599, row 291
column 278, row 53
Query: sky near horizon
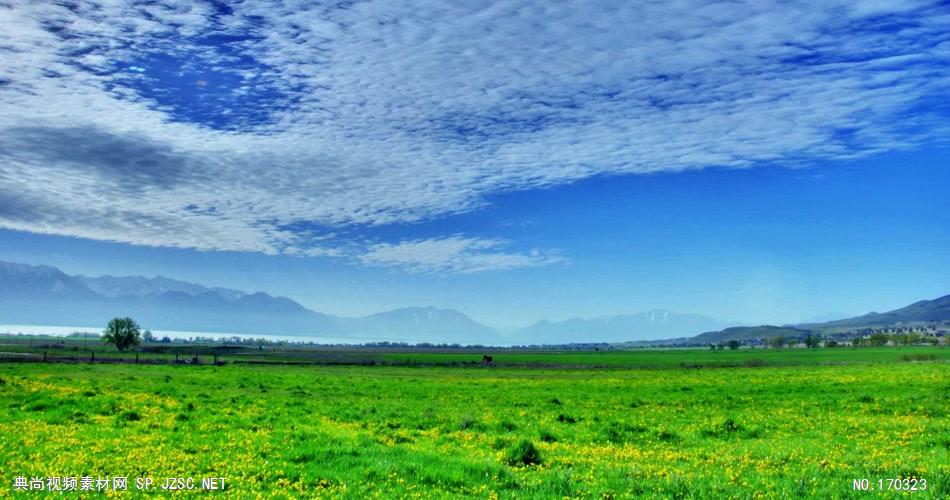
column 756, row 162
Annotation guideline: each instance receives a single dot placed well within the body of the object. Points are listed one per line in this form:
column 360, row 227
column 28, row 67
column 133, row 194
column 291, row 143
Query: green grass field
column 657, row 424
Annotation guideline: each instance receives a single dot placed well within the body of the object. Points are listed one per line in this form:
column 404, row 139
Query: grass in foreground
column 442, row 432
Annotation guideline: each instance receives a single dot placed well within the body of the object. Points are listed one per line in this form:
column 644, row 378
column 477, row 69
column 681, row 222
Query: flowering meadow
column 809, row 430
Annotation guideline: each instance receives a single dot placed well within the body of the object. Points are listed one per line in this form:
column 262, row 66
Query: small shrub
column 621, row 432
column 522, row 454
column 108, row 407
column 130, row 416
column 865, row 399
column 468, row 422
column 556, row 401
column 303, row 458
column 41, row 405
column 667, row 436
column 729, row 426
column 500, row 443
column 547, row 436
column 181, row 417
column 725, row 428
column 566, row 419
column 752, row 433
column 507, row 425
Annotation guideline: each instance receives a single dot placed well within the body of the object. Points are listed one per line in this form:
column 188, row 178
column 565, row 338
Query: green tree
column 147, row 336
column 777, row 341
column 733, row 344
column 123, row 333
column 812, row 341
column 878, row 339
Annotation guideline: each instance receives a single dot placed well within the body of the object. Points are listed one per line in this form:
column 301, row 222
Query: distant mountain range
column 924, row 311
column 47, row 296
column 44, row 295
column 658, row 323
column 934, row 312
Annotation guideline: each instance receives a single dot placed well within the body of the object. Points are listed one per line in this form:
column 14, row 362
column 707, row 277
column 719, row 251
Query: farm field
column 59, row 348
column 797, row 426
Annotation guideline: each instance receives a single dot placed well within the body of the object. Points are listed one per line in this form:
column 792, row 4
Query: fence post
column 44, row 356
column 93, row 360
column 136, row 358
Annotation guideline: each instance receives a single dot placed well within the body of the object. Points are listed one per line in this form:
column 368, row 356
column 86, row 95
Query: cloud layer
column 454, row 254
column 223, row 128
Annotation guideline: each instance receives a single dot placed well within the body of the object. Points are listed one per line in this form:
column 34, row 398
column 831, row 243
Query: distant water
column 63, row 331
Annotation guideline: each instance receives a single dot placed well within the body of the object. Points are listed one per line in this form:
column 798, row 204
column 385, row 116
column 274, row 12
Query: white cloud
column 399, row 112
column 454, row 254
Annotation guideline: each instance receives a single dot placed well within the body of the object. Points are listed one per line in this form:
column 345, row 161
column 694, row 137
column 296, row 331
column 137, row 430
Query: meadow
column 660, row 424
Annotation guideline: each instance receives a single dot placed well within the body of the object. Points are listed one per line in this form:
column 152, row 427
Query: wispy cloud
column 454, row 254
column 219, row 128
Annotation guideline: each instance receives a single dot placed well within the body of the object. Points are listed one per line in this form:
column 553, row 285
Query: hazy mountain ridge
column 936, row 310
column 653, row 324
column 140, row 286
column 26, row 280
column 423, row 324
column 923, row 312
column 46, row 295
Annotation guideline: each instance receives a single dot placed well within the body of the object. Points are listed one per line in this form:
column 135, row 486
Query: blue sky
column 514, row 160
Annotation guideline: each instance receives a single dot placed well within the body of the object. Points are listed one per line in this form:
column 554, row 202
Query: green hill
column 924, row 312
column 748, row 333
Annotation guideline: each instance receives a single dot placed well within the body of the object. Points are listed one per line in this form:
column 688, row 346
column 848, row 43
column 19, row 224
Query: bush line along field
column 807, row 429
